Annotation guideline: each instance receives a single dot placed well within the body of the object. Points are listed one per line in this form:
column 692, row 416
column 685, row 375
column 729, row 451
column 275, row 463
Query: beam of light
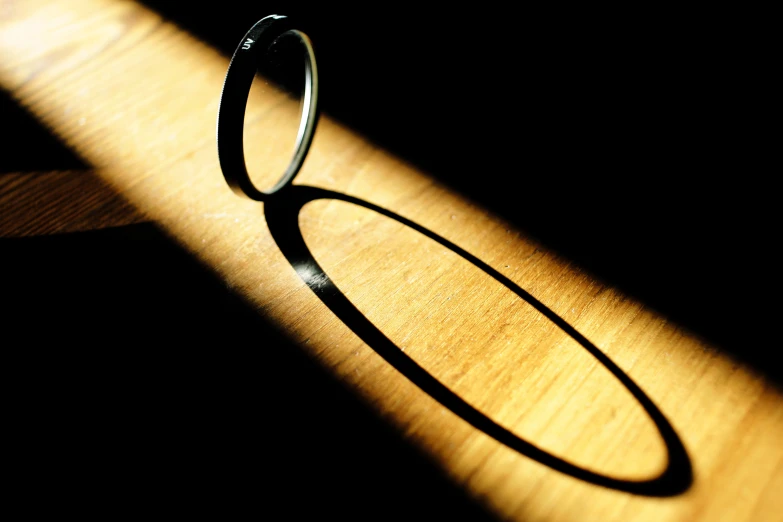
column 137, row 98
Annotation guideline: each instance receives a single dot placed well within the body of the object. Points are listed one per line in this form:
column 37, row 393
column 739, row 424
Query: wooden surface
column 494, row 319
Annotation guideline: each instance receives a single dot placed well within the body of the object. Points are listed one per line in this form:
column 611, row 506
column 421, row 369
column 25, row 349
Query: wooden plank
column 423, row 279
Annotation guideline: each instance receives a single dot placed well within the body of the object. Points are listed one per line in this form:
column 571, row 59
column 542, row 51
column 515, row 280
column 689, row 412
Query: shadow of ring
column 282, row 215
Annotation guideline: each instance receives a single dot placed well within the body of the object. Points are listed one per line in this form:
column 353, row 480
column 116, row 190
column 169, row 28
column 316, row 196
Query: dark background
column 634, row 141
column 629, row 141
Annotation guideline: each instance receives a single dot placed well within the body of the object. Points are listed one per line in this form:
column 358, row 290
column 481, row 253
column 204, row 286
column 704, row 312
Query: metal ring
column 233, row 101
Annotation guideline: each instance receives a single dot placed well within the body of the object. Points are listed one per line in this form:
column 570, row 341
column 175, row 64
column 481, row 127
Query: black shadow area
column 632, row 141
column 282, row 215
column 137, row 382
column 27, row 146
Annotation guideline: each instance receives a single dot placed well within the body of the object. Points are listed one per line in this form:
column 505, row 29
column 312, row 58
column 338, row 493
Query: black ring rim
column 233, row 102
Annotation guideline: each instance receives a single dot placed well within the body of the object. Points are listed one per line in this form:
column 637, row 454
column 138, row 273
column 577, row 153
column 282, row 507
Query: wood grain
column 39, row 203
column 136, row 97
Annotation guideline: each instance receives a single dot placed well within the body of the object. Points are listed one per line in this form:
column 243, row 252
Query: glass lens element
column 273, row 116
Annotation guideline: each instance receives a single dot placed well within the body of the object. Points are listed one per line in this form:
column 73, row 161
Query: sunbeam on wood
column 136, row 98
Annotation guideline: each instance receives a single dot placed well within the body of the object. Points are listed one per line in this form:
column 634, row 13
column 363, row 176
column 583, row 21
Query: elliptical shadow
column 282, row 215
